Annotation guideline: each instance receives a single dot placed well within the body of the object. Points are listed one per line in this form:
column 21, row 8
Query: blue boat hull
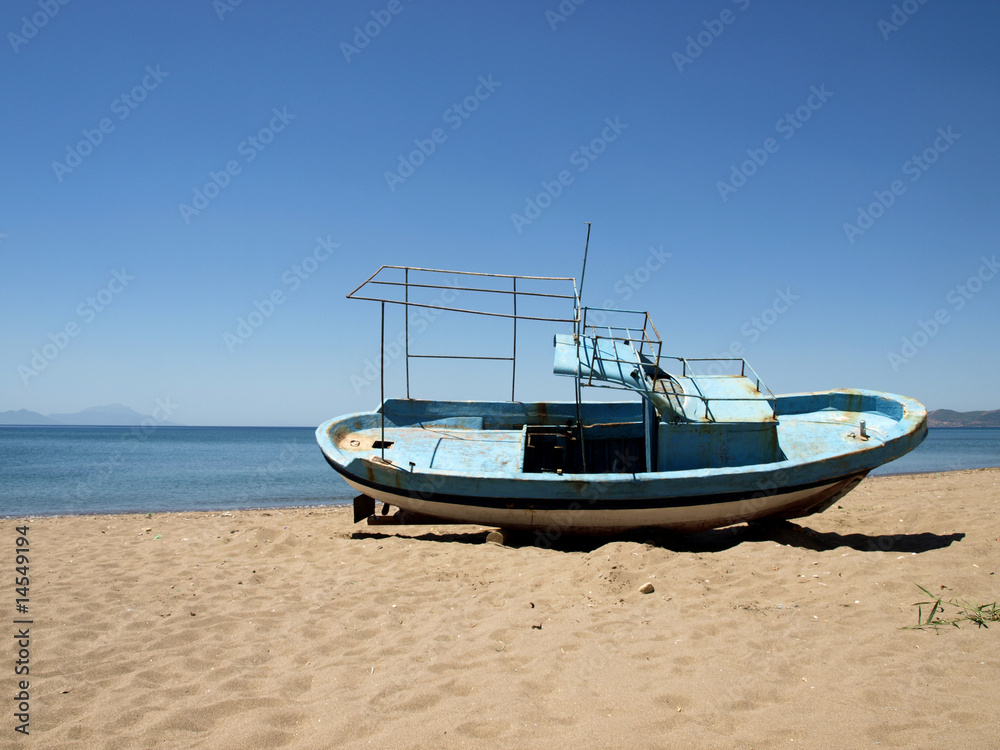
column 520, row 466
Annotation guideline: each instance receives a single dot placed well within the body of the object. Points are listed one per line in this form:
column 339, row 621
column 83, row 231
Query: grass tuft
column 965, row 611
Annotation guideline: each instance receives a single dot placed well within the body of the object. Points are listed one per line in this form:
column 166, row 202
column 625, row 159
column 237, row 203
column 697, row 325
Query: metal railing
column 650, row 346
column 645, row 343
column 368, row 290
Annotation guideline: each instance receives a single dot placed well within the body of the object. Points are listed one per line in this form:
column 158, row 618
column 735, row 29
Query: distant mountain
column 949, row 418
column 23, row 416
column 113, row 415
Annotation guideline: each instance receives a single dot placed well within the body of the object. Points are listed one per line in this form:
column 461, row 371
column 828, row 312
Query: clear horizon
column 194, row 188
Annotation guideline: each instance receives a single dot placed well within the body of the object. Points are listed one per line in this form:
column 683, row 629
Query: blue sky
column 168, row 166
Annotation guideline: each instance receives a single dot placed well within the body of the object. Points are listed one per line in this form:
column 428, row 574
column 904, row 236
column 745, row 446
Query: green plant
column 966, row 611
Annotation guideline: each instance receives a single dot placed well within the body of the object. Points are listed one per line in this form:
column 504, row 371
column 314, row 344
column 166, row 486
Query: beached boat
column 703, row 444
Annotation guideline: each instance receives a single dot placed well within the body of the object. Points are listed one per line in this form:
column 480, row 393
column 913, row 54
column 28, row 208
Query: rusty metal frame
column 649, row 345
column 649, row 338
column 372, row 282
column 444, row 287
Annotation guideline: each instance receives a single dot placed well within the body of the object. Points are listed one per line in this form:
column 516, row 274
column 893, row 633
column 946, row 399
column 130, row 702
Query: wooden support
column 500, row 536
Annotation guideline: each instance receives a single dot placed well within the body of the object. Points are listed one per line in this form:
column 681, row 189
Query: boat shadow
column 790, row 534
column 785, row 533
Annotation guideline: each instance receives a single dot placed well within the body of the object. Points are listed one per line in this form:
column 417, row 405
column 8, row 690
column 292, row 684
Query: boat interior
column 505, row 437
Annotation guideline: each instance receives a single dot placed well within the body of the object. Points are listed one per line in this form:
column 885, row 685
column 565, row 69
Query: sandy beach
column 296, row 629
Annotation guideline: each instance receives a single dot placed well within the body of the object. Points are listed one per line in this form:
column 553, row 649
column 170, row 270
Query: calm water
column 46, row 470
column 60, row 470
column 949, row 449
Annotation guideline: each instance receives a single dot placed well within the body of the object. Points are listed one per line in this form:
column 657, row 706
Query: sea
column 74, row 470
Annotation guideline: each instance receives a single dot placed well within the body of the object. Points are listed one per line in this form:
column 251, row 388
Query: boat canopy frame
column 365, row 291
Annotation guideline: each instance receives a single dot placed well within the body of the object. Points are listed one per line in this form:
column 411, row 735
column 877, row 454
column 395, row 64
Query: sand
column 268, row 629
